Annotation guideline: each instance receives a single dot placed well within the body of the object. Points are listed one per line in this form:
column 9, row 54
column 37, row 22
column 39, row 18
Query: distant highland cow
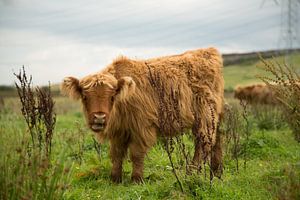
column 122, row 105
column 256, row 94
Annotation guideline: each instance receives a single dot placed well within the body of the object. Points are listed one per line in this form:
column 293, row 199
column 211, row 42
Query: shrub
column 27, row 171
column 284, row 81
column 232, row 126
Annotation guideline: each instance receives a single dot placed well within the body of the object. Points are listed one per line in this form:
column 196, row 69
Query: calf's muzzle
column 98, row 123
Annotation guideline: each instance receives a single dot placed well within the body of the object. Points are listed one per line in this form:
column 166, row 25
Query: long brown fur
column 134, row 116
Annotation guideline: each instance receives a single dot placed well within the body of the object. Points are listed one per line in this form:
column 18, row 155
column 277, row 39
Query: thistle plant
column 284, row 81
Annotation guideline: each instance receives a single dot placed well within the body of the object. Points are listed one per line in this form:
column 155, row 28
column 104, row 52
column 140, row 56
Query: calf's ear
column 126, row 88
column 70, row 87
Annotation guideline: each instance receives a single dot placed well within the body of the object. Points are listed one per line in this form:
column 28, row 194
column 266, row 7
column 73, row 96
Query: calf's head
column 98, row 93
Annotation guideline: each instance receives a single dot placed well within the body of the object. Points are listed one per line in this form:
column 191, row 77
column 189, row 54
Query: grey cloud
column 80, row 36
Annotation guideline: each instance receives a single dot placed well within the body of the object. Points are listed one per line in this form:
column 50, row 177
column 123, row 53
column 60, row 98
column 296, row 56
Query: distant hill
column 238, row 58
column 11, row 91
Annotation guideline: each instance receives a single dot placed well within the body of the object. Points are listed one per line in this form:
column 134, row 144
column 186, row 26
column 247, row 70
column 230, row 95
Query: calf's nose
column 99, row 118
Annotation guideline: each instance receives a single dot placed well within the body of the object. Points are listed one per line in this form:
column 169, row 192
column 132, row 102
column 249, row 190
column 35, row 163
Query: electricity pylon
column 289, row 28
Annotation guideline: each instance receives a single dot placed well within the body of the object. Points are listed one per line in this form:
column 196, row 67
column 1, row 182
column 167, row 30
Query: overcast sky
column 58, row 38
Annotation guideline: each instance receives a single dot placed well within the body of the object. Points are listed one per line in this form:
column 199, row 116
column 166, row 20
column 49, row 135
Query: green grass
column 270, row 154
column 246, row 73
column 272, row 170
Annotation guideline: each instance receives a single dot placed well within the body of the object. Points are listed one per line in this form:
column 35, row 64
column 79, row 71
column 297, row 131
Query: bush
column 284, row 81
column 27, row 171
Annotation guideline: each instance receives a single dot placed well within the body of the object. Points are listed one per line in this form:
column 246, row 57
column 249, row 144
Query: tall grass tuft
column 37, row 110
column 284, row 81
column 267, row 117
column 232, row 125
column 245, row 115
column 27, row 170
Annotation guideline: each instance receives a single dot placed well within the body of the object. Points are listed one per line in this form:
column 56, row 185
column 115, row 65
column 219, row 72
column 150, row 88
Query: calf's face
column 97, row 102
column 98, row 94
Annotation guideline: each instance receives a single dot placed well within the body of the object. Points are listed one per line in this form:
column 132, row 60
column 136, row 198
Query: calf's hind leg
column 197, row 154
column 216, row 160
column 197, row 159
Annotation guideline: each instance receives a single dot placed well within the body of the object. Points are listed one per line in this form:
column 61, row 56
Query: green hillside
column 245, row 72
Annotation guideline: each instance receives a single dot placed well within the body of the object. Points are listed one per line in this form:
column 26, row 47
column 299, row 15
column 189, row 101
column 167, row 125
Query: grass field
column 245, row 73
column 272, row 156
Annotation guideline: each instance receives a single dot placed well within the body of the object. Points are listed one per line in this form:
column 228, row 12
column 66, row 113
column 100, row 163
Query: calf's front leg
column 137, row 156
column 138, row 151
column 118, row 151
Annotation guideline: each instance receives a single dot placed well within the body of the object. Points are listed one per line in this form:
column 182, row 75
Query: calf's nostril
column 99, row 118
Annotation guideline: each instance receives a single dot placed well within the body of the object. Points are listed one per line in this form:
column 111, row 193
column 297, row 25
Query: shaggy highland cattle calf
column 255, row 94
column 121, row 105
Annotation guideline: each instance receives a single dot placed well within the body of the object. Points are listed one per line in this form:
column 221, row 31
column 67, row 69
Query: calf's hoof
column 137, row 179
column 116, row 178
column 217, row 170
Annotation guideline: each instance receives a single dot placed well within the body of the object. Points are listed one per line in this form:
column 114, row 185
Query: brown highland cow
column 121, row 105
column 255, row 94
